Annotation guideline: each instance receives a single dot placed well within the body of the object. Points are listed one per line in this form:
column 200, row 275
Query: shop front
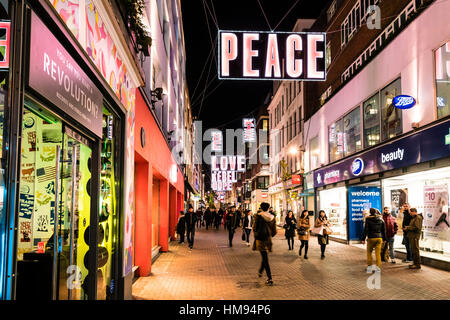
column 414, row 169
column 67, row 206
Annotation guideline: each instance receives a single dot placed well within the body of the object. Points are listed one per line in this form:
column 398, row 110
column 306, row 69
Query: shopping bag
column 317, row 230
column 327, row 231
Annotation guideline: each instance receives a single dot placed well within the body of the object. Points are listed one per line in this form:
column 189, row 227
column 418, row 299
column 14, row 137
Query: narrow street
column 213, row 271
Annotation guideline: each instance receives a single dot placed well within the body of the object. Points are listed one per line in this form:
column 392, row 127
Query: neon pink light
column 249, row 53
column 229, row 51
column 313, row 55
column 272, row 59
column 294, row 66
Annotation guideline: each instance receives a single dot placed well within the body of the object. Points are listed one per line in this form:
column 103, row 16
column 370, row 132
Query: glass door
column 74, row 216
column 55, row 169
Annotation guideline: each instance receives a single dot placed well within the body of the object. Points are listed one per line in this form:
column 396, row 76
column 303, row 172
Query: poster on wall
column 398, row 198
column 436, row 222
column 361, row 198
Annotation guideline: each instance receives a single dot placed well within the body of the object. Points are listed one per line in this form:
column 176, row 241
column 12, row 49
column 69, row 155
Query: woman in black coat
column 290, row 224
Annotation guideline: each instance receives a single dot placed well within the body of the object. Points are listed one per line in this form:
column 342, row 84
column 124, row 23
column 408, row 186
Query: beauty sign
column 248, row 55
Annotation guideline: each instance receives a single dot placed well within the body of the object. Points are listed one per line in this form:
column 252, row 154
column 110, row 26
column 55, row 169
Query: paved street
column 214, row 271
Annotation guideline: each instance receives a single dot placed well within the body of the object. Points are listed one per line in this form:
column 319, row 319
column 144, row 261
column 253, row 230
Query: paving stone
column 213, row 271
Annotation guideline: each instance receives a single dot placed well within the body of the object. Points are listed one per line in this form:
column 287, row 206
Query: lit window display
column 371, row 112
column 428, row 192
column 334, row 203
column 390, row 115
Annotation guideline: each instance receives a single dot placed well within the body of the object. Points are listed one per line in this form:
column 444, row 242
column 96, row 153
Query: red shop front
column 158, row 195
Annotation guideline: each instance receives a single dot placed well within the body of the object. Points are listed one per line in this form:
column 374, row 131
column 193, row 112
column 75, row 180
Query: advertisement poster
column 361, row 198
column 436, row 215
column 398, row 198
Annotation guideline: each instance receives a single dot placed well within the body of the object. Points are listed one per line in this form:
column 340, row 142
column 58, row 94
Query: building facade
column 286, row 140
column 363, row 151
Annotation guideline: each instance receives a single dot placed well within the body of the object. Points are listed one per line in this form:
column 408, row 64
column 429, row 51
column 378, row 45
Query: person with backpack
column 303, row 227
column 181, row 226
column 290, row 225
column 391, row 230
column 264, row 228
column 375, row 232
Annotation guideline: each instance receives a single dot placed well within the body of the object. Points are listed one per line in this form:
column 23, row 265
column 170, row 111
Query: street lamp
column 293, row 150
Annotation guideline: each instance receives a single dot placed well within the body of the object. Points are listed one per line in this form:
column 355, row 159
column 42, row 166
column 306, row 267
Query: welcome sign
column 54, row 74
column 261, row 55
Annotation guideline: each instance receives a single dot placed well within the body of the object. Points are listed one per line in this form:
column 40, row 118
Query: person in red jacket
column 391, row 230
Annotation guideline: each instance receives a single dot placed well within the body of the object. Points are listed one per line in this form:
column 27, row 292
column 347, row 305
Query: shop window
column 328, row 55
column 352, row 130
column 442, row 59
column 314, row 153
column 371, row 113
column 428, row 192
column 336, row 140
column 294, row 125
column 391, row 117
column 334, row 203
column 263, row 182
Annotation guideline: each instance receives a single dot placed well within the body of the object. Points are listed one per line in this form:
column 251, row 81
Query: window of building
column 442, row 60
column 294, row 124
column 336, row 140
column 290, row 129
column 352, row 132
column 391, row 116
column 328, row 55
column 299, row 87
column 314, row 153
column 331, row 10
column 299, row 119
column 265, row 126
column 262, row 182
column 371, row 114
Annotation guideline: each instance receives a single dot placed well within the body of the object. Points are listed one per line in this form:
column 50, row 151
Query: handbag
column 327, row 231
column 317, row 230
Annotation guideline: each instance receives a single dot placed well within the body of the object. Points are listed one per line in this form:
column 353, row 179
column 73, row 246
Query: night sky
column 226, row 102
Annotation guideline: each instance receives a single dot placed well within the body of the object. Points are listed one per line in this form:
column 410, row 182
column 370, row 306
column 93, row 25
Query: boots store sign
column 429, row 144
column 249, row 55
column 54, row 74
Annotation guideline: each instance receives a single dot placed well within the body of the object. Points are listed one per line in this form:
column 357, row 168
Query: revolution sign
column 271, row 55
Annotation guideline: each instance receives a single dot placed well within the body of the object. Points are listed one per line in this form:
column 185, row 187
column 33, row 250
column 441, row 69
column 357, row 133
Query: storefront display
column 427, row 191
column 361, row 198
column 334, row 203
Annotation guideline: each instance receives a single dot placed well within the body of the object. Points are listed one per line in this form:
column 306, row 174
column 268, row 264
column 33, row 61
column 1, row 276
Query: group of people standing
column 380, row 230
column 303, row 228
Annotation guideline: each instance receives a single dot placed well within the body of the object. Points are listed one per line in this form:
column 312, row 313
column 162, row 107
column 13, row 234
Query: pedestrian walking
column 303, row 227
column 199, row 218
column 290, row 225
column 264, row 228
column 224, row 218
column 207, row 217
column 414, row 230
column 247, row 225
column 190, row 226
column 218, row 218
column 181, row 227
column 391, row 230
column 322, row 221
column 232, row 220
column 375, row 232
column 406, row 221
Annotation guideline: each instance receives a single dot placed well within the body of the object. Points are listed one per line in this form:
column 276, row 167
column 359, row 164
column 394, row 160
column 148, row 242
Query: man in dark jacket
column 233, row 221
column 406, row 221
column 207, row 217
column 190, row 218
column 391, row 231
column 414, row 230
column 375, row 231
